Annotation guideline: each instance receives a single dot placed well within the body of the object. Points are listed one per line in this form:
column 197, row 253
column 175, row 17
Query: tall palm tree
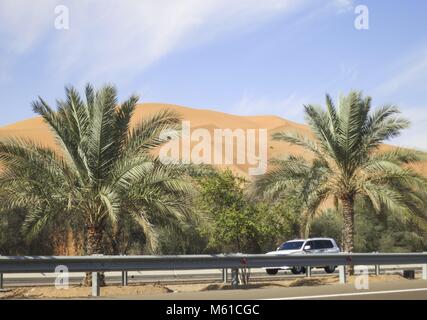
column 100, row 170
column 347, row 163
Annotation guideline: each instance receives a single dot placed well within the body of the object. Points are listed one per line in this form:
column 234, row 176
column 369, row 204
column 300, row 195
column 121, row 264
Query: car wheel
column 298, row 270
column 272, row 272
column 330, row 269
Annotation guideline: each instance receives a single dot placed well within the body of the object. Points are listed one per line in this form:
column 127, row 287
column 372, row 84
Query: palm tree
column 294, row 178
column 347, row 162
column 100, row 171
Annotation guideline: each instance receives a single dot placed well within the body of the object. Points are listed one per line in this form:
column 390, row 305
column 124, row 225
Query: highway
column 187, row 276
column 383, row 290
column 386, row 290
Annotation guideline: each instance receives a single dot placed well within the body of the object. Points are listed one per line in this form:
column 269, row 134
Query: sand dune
column 37, row 130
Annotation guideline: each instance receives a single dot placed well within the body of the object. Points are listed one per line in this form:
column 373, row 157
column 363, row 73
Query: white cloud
column 343, row 5
column 23, row 23
column 412, row 71
column 409, row 76
column 108, row 39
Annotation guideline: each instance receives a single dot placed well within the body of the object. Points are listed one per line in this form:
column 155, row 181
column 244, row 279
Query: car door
column 332, row 247
column 319, row 246
column 328, row 246
column 312, row 244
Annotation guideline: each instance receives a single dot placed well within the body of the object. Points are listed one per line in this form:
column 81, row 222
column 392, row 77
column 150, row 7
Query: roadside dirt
column 156, row 289
column 82, row 292
column 313, row 281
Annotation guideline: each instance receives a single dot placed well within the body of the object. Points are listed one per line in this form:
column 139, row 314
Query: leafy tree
column 11, row 243
column 327, row 224
column 53, row 240
column 386, row 231
column 276, row 223
column 237, row 222
column 347, row 162
column 230, row 222
column 190, row 240
column 101, row 172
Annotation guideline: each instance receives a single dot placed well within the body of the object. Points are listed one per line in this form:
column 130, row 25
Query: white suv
column 307, row 246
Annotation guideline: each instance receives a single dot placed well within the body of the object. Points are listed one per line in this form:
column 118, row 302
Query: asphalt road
column 390, row 290
column 201, row 276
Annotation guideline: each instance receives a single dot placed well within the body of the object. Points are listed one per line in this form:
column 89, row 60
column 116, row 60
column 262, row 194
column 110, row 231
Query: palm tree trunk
column 348, row 226
column 305, row 226
column 94, row 240
column 94, row 247
column 304, row 231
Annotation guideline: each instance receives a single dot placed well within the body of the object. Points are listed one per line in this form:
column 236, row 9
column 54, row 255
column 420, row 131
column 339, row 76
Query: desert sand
column 37, row 130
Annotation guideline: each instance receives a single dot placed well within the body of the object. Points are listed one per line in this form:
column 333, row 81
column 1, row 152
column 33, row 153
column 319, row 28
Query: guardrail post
column 124, row 278
column 377, row 270
column 95, row 284
column 1, row 280
column 234, row 277
column 224, row 275
column 343, row 275
column 377, row 267
column 424, row 272
column 308, row 271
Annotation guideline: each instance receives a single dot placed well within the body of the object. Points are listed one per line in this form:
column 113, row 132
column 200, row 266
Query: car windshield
column 293, row 245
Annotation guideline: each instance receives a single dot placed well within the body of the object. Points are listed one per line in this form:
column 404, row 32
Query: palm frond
column 102, row 170
column 148, row 134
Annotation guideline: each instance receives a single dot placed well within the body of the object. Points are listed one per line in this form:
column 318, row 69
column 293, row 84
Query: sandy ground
column 313, row 281
column 157, row 289
column 82, row 292
column 35, row 129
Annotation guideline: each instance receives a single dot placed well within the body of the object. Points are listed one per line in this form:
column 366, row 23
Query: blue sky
column 243, row 56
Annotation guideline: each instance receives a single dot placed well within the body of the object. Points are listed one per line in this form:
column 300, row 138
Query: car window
column 327, row 244
column 293, row 245
column 309, row 243
column 323, row 244
column 316, row 244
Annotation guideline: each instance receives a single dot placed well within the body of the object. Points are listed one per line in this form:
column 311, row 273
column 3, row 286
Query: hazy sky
column 240, row 56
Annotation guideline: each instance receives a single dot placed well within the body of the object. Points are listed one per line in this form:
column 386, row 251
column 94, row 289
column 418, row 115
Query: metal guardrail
column 96, row 264
column 27, row 264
